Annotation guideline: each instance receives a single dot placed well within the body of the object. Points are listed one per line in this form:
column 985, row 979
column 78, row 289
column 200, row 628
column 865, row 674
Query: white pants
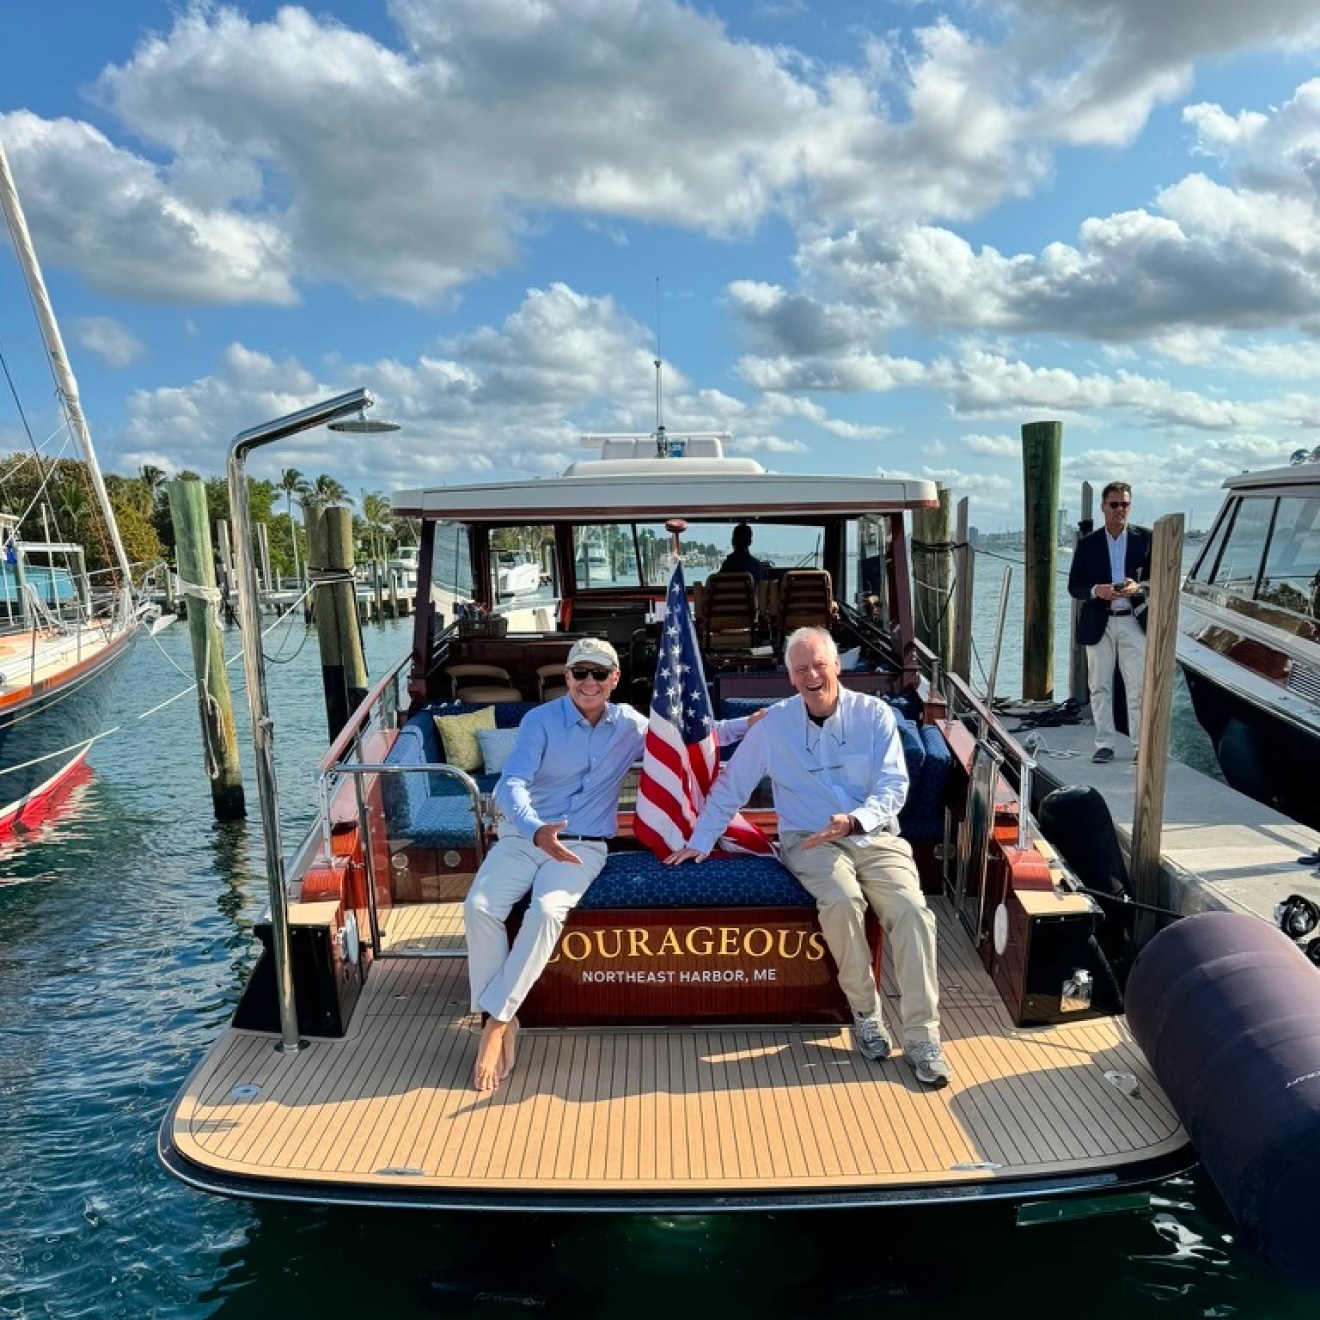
column 500, row 977
column 1125, row 644
column 843, row 878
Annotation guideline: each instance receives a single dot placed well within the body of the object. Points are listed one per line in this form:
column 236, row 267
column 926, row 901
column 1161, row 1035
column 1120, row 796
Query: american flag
column 681, row 756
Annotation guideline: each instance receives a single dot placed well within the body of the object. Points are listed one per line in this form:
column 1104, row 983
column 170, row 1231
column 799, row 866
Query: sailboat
column 62, row 637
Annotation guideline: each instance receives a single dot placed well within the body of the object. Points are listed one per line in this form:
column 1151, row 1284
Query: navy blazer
column 1090, row 567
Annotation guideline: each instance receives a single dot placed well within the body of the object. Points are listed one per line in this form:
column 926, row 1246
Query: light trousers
column 499, row 976
column 1123, row 644
column 844, row 879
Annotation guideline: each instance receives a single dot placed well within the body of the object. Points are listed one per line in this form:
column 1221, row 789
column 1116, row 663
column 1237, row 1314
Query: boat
column 517, row 573
column 1249, row 635
column 688, row 1051
column 63, row 633
column 402, row 569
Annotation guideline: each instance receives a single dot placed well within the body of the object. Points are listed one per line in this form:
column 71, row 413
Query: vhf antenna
column 661, row 440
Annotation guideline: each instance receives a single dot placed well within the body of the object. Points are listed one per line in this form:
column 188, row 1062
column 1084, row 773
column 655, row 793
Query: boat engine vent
column 1304, row 680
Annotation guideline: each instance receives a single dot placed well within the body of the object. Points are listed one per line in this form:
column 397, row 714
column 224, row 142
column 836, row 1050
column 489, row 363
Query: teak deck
column 650, row 1118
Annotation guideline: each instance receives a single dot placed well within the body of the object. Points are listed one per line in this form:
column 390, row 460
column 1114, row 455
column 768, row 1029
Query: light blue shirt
column 562, row 767
column 852, row 764
column 1118, row 563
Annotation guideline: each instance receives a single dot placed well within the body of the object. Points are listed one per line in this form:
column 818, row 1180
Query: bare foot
column 508, row 1048
column 486, row 1075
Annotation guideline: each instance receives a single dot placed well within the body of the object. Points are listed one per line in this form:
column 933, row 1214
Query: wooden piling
column 330, row 563
column 263, row 558
column 1042, row 452
column 225, row 557
column 197, row 582
column 932, row 567
column 1079, row 684
column 964, row 579
column 1156, row 717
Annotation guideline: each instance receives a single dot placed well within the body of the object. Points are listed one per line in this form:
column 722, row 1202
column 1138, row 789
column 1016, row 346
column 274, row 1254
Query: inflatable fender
column 1227, row 1011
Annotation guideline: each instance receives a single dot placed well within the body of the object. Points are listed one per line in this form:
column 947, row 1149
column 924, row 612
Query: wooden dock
column 1220, row 849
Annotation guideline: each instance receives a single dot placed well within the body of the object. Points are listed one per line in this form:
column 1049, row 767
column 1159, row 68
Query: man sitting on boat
column 836, row 765
column 558, row 797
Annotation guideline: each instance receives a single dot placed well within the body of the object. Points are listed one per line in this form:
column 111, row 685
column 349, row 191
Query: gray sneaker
column 871, row 1037
column 1102, row 754
column 928, row 1062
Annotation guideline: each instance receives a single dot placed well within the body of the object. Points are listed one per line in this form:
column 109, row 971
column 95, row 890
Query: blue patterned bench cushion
column 640, row 880
column 434, row 810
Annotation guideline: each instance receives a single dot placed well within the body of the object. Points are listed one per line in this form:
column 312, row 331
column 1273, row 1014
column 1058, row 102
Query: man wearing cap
column 558, row 797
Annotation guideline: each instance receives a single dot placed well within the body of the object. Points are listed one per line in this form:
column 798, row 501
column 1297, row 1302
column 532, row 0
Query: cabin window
column 1292, row 562
column 451, row 565
column 1239, row 566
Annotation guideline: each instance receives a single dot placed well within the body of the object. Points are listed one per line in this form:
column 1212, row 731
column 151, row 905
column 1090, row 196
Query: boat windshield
column 1268, row 549
column 639, row 554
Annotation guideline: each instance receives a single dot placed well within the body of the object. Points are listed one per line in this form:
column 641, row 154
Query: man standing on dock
column 559, row 797
column 1110, row 575
column 836, row 766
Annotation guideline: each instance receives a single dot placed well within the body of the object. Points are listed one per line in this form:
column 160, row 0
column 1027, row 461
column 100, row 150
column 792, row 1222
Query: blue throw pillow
column 496, row 744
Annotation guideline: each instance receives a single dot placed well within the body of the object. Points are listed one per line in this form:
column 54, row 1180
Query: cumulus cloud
column 110, row 215
column 411, row 162
column 114, row 343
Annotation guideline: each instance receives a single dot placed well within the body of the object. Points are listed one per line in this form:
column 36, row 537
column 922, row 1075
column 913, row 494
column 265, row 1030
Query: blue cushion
column 434, row 810
column 922, row 817
column 641, row 880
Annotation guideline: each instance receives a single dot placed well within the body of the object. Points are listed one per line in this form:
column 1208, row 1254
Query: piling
column 225, row 554
column 1042, row 453
column 1079, row 684
column 964, row 578
column 1156, row 716
column 330, row 566
column 263, row 557
column 932, row 567
column 197, row 582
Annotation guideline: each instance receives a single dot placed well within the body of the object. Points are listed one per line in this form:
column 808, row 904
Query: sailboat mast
column 64, row 380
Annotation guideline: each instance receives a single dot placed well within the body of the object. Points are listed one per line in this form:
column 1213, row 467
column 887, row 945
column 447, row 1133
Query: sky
column 860, row 236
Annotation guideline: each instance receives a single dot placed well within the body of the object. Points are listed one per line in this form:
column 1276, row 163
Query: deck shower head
column 360, row 425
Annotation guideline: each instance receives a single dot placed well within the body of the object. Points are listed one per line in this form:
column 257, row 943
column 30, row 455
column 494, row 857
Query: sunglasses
column 1119, row 504
column 582, row 672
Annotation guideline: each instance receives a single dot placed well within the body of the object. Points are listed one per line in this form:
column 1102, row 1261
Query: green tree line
column 54, row 501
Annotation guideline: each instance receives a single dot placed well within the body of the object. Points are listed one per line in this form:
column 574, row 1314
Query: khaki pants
column 843, row 878
column 1125, row 644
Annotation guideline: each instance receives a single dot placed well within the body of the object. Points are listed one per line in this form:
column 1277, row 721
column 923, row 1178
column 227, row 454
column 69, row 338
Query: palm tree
column 326, row 490
column 292, row 482
column 377, row 520
column 153, row 482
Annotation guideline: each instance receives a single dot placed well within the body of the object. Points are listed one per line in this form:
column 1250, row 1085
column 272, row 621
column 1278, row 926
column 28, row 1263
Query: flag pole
column 676, row 527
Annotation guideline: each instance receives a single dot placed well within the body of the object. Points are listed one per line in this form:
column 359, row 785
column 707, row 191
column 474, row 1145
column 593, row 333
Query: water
column 125, row 936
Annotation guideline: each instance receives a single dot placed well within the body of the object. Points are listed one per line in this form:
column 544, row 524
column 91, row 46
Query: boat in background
column 518, row 574
column 62, row 636
column 1249, row 635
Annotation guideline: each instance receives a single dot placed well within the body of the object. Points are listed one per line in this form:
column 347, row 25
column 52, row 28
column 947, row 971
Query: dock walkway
column 1221, row 850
